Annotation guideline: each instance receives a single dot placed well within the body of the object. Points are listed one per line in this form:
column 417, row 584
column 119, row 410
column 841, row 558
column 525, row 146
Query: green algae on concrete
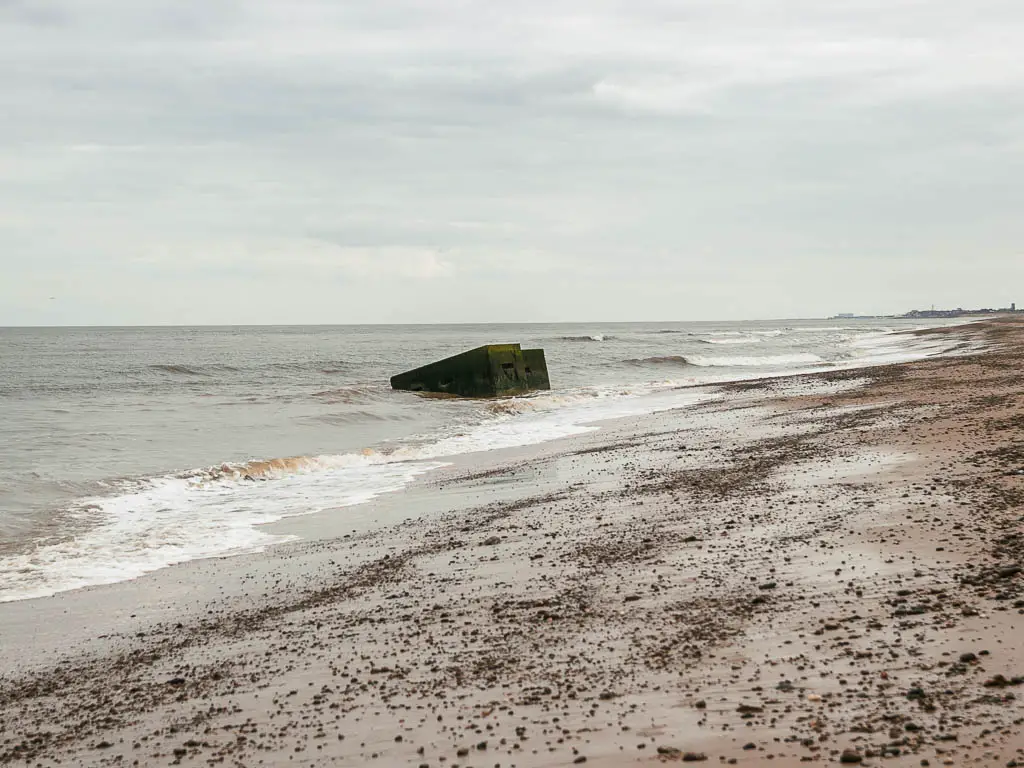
column 536, row 369
column 490, row 371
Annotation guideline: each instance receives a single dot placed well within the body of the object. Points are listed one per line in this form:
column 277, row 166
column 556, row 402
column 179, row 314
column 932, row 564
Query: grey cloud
column 646, row 159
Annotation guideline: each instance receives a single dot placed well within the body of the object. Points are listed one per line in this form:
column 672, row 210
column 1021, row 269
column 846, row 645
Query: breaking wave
column 662, row 360
column 594, row 337
column 754, row 362
column 731, row 340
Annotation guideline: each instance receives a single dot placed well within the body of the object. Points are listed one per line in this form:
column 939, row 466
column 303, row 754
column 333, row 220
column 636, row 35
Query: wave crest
column 349, row 395
column 193, row 370
column 755, row 362
column 659, row 360
column 594, row 337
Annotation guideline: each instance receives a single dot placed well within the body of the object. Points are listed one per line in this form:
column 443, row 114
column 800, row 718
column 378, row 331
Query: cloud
column 641, row 152
column 295, row 257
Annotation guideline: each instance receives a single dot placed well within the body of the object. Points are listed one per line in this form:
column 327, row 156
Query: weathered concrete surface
column 489, row 371
column 536, row 369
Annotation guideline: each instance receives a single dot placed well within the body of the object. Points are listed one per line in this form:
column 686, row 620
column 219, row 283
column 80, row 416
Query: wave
column 266, row 469
column 146, row 525
column 214, row 369
column 350, row 395
column 323, row 366
column 362, row 416
column 730, row 341
column 661, row 360
column 594, row 337
column 754, row 362
column 193, row 370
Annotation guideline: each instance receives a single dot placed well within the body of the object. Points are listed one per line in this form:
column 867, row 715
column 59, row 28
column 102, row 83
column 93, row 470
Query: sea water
column 125, row 450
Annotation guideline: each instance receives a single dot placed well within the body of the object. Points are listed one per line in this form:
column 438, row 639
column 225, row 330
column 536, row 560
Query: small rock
column 490, row 542
column 850, row 757
column 694, row 757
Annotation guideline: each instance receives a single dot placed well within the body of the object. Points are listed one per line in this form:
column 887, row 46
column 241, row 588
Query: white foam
column 884, row 348
column 734, row 341
column 752, row 362
column 159, row 522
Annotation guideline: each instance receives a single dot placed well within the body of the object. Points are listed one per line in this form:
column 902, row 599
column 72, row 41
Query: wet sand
column 815, row 569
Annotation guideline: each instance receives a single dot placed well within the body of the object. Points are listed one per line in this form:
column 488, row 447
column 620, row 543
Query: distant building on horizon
column 961, row 312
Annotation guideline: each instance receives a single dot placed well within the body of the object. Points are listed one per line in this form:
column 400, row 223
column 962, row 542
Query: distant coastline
column 933, row 313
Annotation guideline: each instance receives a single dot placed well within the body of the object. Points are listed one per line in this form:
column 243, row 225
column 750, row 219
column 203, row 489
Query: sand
column 817, row 569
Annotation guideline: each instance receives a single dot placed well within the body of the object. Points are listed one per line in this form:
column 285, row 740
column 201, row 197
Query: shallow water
column 127, row 450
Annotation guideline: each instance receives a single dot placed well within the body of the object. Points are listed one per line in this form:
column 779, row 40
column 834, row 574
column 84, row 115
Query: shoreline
column 742, row 553
column 142, row 495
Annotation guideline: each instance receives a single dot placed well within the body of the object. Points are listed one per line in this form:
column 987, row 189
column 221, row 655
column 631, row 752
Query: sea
column 127, row 450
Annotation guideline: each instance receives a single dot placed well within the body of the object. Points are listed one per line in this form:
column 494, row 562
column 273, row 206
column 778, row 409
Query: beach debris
column 493, row 370
column 1001, row 681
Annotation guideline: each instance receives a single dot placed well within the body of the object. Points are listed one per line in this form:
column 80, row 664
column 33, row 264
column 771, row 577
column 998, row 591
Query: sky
column 407, row 161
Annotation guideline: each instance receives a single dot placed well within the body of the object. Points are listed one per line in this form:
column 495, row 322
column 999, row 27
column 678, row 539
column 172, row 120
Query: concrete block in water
column 491, row 371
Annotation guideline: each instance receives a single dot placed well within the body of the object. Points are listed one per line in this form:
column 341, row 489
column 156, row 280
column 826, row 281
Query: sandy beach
column 822, row 568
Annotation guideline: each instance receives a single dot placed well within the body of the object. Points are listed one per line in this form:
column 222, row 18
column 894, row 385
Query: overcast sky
column 326, row 161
